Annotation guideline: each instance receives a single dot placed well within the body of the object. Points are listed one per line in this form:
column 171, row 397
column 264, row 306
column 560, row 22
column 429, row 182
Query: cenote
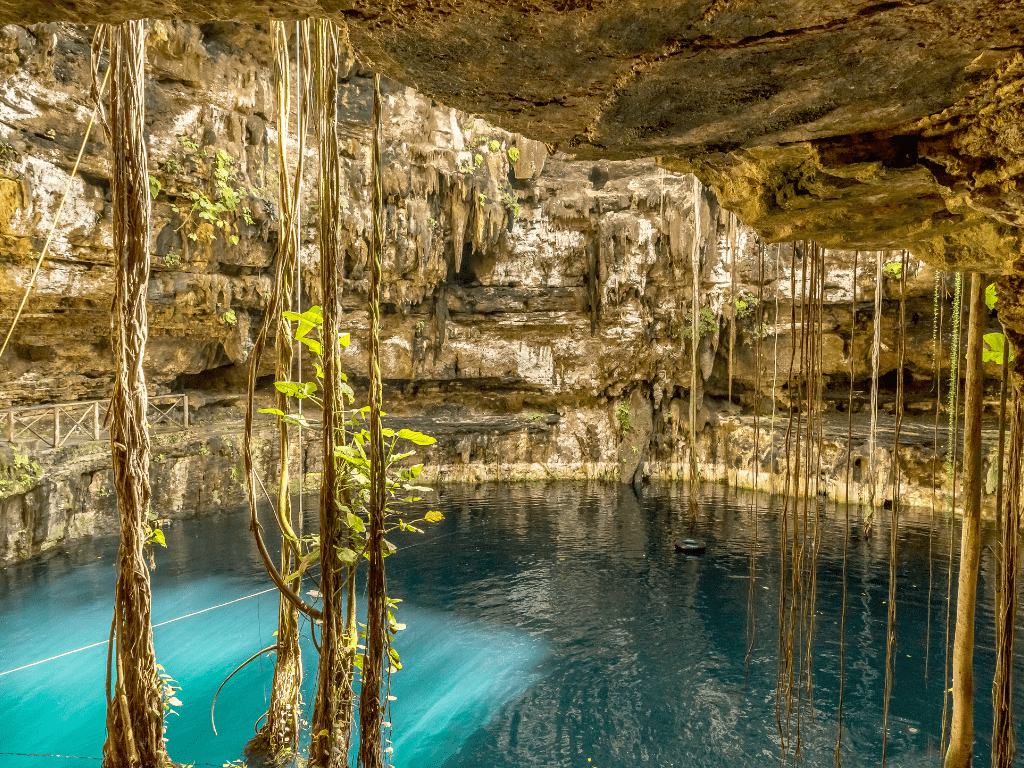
column 549, row 624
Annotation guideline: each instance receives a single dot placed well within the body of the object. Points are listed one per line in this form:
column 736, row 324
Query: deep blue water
column 549, row 624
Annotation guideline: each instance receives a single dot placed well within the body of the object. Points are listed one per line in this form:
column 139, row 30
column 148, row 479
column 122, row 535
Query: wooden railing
column 54, row 425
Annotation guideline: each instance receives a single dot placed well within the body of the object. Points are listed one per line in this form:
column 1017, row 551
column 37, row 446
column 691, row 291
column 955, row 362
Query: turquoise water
column 549, row 625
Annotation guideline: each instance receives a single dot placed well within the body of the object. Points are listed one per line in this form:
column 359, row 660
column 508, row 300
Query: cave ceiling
column 862, row 124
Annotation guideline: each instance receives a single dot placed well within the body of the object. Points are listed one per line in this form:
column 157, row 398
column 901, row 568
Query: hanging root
column 239, row 668
column 1003, row 735
column 894, row 522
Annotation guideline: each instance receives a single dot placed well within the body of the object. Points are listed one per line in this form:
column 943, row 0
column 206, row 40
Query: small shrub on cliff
column 894, row 269
column 707, row 324
column 622, row 414
column 229, row 317
column 513, row 155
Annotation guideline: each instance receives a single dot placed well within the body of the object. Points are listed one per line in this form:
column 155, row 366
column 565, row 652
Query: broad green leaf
column 297, row 419
column 292, row 389
column 416, row 437
column 433, row 516
column 274, row 411
column 157, row 537
column 355, row 522
column 414, row 471
column 387, row 432
column 345, row 339
column 995, row 344
column 358, row 661
column 314, row 345
column 990, row 296
column 348, row 556
column 319, row 370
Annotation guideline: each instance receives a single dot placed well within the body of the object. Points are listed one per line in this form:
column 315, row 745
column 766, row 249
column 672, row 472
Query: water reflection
column 550, row 624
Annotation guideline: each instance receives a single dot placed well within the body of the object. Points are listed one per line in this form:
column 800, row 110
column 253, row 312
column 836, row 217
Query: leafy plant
column 168, row 691
column 622, row 414
column 229, row 317
column 154, row 187
column 483, row 199
column 493, row 145
column 478, row 160
column 214, row 210
column 510, row 199
column 172, row 260
column 995, row 347
column 744, row 306
column 707, row 324
column 990, row 296
column 513, row 155
column 894, row 269
column 353, row 438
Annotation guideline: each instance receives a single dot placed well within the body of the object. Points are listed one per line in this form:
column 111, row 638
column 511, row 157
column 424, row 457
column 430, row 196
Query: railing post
column 185, row 404
column 56, row 426
column 96, row 420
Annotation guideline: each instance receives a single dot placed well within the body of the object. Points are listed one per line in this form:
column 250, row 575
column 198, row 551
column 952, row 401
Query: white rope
column 162, row 623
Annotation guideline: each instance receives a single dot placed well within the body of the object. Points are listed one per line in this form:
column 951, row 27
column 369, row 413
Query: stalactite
column 894, row 520
column 135, row 722
column 961, row 729
column 846, row 536
column 1003, row 735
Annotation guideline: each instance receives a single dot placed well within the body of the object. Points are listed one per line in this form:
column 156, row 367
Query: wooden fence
column 54, row 425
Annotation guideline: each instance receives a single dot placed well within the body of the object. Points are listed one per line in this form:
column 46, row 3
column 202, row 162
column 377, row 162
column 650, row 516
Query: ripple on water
column 550, row 624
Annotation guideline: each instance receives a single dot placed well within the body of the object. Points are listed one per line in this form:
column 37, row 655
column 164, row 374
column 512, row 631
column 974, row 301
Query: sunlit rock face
column 529, row 294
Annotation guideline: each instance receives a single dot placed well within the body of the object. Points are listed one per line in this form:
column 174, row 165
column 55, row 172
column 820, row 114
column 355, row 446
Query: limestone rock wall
column 529, row 297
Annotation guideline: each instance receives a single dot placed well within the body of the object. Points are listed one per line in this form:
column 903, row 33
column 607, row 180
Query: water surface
column 550, row 624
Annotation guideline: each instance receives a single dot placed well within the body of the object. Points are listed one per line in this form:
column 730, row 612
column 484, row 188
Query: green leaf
column 990, row 296
column 157, row 537
column 345, row 339
column 355, row 522
column 308, row 320
column 433, row 516
column 416, row 437
column 154, row 187
column 348, row 556
column 298, row 420
column 314, row 345
column 319, row 370
column 995, row 346
column 414, row 471
column 274, row 411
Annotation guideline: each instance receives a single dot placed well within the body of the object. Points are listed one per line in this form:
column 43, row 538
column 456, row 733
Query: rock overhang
column 861, row 124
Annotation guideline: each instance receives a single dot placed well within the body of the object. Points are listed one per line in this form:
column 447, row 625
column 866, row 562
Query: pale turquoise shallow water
column 549, row 625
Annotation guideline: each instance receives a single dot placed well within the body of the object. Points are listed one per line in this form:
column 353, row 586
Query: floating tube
column 691, row 546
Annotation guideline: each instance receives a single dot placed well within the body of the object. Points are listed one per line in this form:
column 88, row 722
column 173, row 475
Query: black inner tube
column 691, row 546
